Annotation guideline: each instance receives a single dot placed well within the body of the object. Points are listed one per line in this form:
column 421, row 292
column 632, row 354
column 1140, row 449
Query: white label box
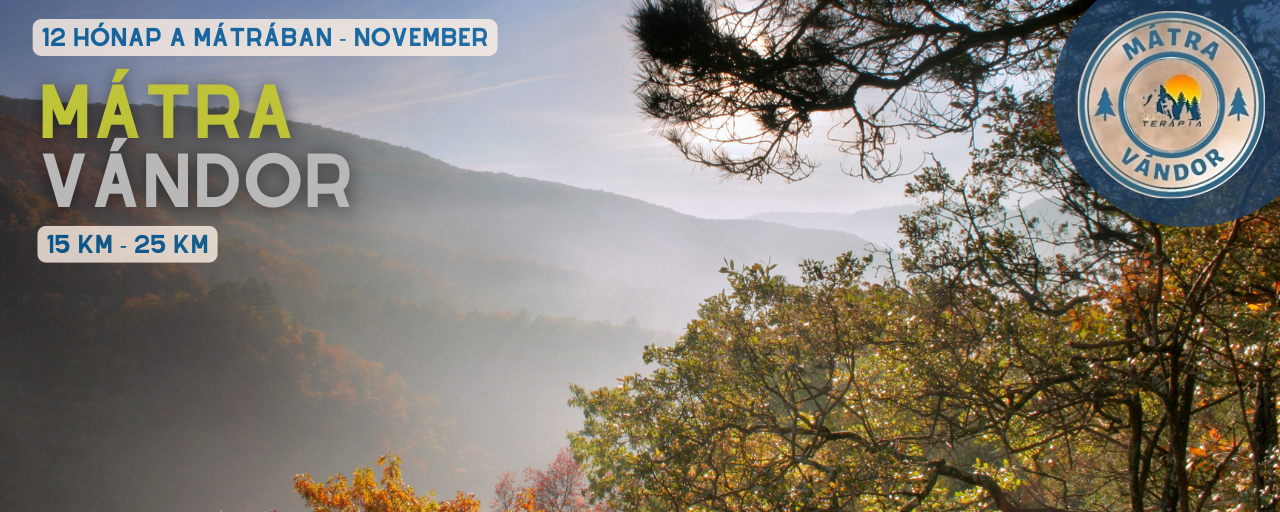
column 127, row 244
column 264, row 37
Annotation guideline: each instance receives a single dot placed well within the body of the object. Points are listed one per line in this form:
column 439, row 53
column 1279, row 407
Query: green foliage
column 1166, row 319
column 1078, row 359
column 834, row 394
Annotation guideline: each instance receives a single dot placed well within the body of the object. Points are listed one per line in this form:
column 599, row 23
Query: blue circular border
column 1124, row 120
column 1110, row 167
column 1255, row 182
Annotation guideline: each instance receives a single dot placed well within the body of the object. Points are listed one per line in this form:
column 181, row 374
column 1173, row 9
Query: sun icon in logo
column 1178, row 98
column 1183, row 87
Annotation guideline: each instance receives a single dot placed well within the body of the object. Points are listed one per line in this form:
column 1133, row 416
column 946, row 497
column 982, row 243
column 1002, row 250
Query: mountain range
column 876, row 225
column 442, row 316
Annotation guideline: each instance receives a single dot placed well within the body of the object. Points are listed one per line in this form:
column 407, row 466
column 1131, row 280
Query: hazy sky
column 554, row 103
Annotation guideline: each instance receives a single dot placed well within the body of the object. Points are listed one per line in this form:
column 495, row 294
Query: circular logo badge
column 1171, row 105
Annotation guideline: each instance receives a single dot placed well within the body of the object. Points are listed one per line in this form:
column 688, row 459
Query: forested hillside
column 503, row 242
column 432, row 318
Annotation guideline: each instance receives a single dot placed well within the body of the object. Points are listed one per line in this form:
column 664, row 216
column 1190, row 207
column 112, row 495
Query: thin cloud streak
column 482, row 89
column 477, row 90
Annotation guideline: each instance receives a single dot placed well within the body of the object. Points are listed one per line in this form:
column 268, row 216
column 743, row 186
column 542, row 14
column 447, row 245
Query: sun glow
column 1184, row 85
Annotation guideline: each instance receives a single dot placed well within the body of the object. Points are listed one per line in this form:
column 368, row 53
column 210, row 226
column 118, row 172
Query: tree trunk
column 1136, row 488
column 1181, row 397
column 1264, row 443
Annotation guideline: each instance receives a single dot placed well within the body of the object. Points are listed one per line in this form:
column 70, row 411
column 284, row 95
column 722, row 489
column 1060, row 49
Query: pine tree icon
column 1104, row 106
column 1238, row 107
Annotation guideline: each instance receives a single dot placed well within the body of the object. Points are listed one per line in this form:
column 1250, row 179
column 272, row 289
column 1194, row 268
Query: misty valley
column 442, row 316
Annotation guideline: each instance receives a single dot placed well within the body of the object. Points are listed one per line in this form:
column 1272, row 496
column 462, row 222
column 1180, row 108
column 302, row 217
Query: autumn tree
column 561, row 487
column 838, row 395
column 1070, row 358
column 1032, row 347
column 1170, row 319
column 512, row 497
column 365, row 494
